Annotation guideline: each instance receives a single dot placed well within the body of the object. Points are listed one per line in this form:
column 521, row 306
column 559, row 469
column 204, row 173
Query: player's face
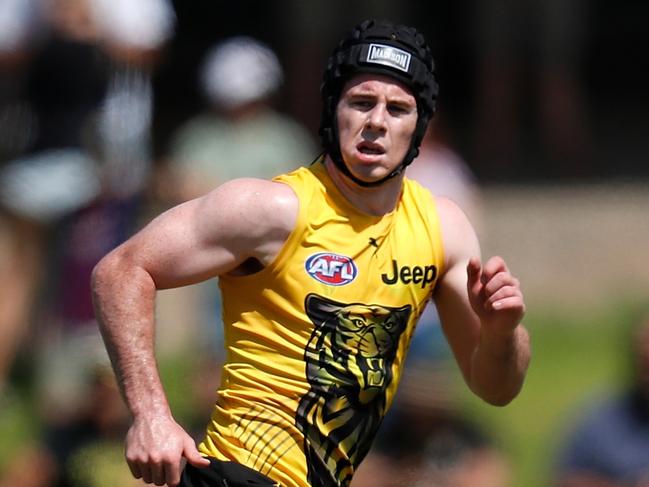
column 376, row 118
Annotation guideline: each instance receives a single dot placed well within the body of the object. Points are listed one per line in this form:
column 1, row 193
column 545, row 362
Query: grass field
column 575, row 355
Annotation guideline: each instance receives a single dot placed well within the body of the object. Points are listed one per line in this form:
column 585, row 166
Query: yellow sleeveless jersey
column 316, row 341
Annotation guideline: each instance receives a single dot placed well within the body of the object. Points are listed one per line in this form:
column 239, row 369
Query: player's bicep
column 180, row 247
column 459, row 322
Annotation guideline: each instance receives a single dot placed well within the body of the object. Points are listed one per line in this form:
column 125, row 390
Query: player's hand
column 495, row 295
column 155, row 447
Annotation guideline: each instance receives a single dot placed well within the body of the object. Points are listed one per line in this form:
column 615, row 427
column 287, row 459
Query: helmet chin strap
column 342, row 167
column 337, row 159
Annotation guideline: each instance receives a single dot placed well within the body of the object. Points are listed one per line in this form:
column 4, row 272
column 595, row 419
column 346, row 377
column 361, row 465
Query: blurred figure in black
column 129, row 37
column 50, row 173
column 609, row 445
column 17, row 25
column 69, row 195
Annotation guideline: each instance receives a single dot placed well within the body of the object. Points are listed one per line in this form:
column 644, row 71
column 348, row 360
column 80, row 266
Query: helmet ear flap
column 417, row 137
column 327, row 131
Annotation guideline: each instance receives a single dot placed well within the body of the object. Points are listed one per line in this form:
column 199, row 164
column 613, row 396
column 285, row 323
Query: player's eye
column 362, row 104
column 397, row 109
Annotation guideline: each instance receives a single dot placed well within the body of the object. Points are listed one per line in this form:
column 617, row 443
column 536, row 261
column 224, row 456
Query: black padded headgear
column 383, row 48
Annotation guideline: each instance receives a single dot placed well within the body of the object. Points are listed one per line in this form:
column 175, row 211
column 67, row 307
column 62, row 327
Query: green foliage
column 100, row 464
column 18, row 424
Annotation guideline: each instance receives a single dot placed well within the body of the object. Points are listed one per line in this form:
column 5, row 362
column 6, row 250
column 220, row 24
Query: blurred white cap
column 240, row 70
column 17, row 21
column 139, row 24
column 49, row 185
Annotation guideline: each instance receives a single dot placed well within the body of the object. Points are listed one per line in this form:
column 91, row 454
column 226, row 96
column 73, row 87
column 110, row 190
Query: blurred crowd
column 76, row 107
column 78, row 174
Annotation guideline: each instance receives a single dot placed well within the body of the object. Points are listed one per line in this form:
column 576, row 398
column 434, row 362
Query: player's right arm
column 199, row 239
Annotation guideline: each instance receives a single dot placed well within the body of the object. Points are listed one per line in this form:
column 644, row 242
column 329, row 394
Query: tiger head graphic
column 349, row 361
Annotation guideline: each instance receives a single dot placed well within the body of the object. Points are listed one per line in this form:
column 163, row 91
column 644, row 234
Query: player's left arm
column 481, row 308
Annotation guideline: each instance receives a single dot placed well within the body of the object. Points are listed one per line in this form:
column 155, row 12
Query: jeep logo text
column 406, row 274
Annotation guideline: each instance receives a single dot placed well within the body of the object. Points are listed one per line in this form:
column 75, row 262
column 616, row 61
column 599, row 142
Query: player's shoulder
column 449, row 210
column 246, row 190
column 259, row 203
column 459, row 236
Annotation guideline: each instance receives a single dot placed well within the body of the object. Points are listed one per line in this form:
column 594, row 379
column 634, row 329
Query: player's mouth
column 370, row 149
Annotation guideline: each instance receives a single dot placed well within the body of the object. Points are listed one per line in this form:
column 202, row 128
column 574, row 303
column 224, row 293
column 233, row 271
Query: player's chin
column 370, row 176
column 369, row 171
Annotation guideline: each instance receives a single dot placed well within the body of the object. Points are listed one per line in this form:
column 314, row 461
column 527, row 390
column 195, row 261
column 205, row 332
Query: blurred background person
column 609, row 442
column 72, row 193
column 444, row 172
column 52, row 173
column 240, row 134
column 18, row 22
column 116, row 140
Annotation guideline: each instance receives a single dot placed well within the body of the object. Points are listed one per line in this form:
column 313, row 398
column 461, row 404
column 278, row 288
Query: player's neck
column 378, row 200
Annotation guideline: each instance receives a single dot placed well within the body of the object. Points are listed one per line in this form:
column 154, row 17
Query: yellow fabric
column 315, row 344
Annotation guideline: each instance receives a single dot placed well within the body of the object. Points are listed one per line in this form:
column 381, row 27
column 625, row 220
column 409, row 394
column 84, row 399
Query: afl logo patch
column 331, row 269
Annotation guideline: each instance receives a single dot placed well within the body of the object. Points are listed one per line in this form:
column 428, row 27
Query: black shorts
column 224, row 474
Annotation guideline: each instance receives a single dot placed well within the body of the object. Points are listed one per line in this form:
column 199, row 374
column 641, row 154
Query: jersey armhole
column 287, row 249
column 289, row 245
column 439, row 252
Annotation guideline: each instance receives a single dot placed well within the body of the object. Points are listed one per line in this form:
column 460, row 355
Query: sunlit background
column 106, row 113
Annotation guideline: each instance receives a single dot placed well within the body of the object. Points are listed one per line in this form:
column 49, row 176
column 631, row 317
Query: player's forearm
column 124, row 299
column 499, row 365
